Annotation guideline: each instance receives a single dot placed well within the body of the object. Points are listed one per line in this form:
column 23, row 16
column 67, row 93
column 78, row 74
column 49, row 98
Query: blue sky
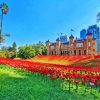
column 30, row 21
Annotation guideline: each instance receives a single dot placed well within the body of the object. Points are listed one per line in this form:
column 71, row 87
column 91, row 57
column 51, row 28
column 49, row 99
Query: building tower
column 89, row 43
column 95, row 30
column 58, row 43
column 71, row 41
column 48, row 47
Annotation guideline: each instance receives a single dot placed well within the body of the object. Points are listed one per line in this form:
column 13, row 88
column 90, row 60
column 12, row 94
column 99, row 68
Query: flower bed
column 76, row 74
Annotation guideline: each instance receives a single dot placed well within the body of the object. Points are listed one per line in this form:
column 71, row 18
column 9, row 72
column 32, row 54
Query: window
column 65, row 52
column 55, row 52
column 68, row 46
column 52, row 52
column 74, row 52
column 93, row 43
column 61, row 53
column 52, row 47
column 79, row 45
column 71, row 45
column 84, row 52
column 65, row 46
column 94, row 50
column 89, row 44
column 79, row 52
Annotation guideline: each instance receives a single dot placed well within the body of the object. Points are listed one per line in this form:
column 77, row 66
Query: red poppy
column 93, row 81
column 76, row 81
column 53, row 78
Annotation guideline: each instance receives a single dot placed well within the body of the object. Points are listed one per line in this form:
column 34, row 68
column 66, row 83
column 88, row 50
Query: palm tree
column 4, row 10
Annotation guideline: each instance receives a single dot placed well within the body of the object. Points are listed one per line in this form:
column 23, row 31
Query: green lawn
column 17, row 84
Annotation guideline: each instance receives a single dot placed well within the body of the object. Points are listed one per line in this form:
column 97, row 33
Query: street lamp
column 4, row 10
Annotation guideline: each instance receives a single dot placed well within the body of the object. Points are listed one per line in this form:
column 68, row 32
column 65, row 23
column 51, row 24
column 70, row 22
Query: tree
column 11, row 50
column 26, row 52
column 3, row 53
column 44, row 50
column 14, row 47
column 40, row 48
column 4, row 9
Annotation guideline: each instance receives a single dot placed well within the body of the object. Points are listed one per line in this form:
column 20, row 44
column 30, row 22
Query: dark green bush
column 26, row 52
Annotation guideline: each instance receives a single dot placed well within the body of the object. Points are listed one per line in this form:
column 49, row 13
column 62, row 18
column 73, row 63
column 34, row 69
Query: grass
column 18, row 84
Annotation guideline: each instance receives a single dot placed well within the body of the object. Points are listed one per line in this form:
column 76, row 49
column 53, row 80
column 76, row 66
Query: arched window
column 89, row 44
column 79, row 52
column 84, row 52
column 61, row 52
column 74, row 52
column 65, row 52
column 55, row 52
column 68, row 53
column 52, row 52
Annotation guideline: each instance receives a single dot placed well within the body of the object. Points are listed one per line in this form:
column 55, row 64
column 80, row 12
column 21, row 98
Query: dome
column 57, row 39
column 71, row 36
column 89, row 34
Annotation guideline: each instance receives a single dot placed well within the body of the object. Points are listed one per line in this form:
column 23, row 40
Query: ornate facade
column 73, row 46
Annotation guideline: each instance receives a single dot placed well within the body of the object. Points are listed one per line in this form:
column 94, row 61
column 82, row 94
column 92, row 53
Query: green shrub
column 12, row 54
column 3, row 54
column 26, row 52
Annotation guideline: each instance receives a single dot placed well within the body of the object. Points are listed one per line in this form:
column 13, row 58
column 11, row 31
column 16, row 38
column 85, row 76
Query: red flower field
column 76, row 73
